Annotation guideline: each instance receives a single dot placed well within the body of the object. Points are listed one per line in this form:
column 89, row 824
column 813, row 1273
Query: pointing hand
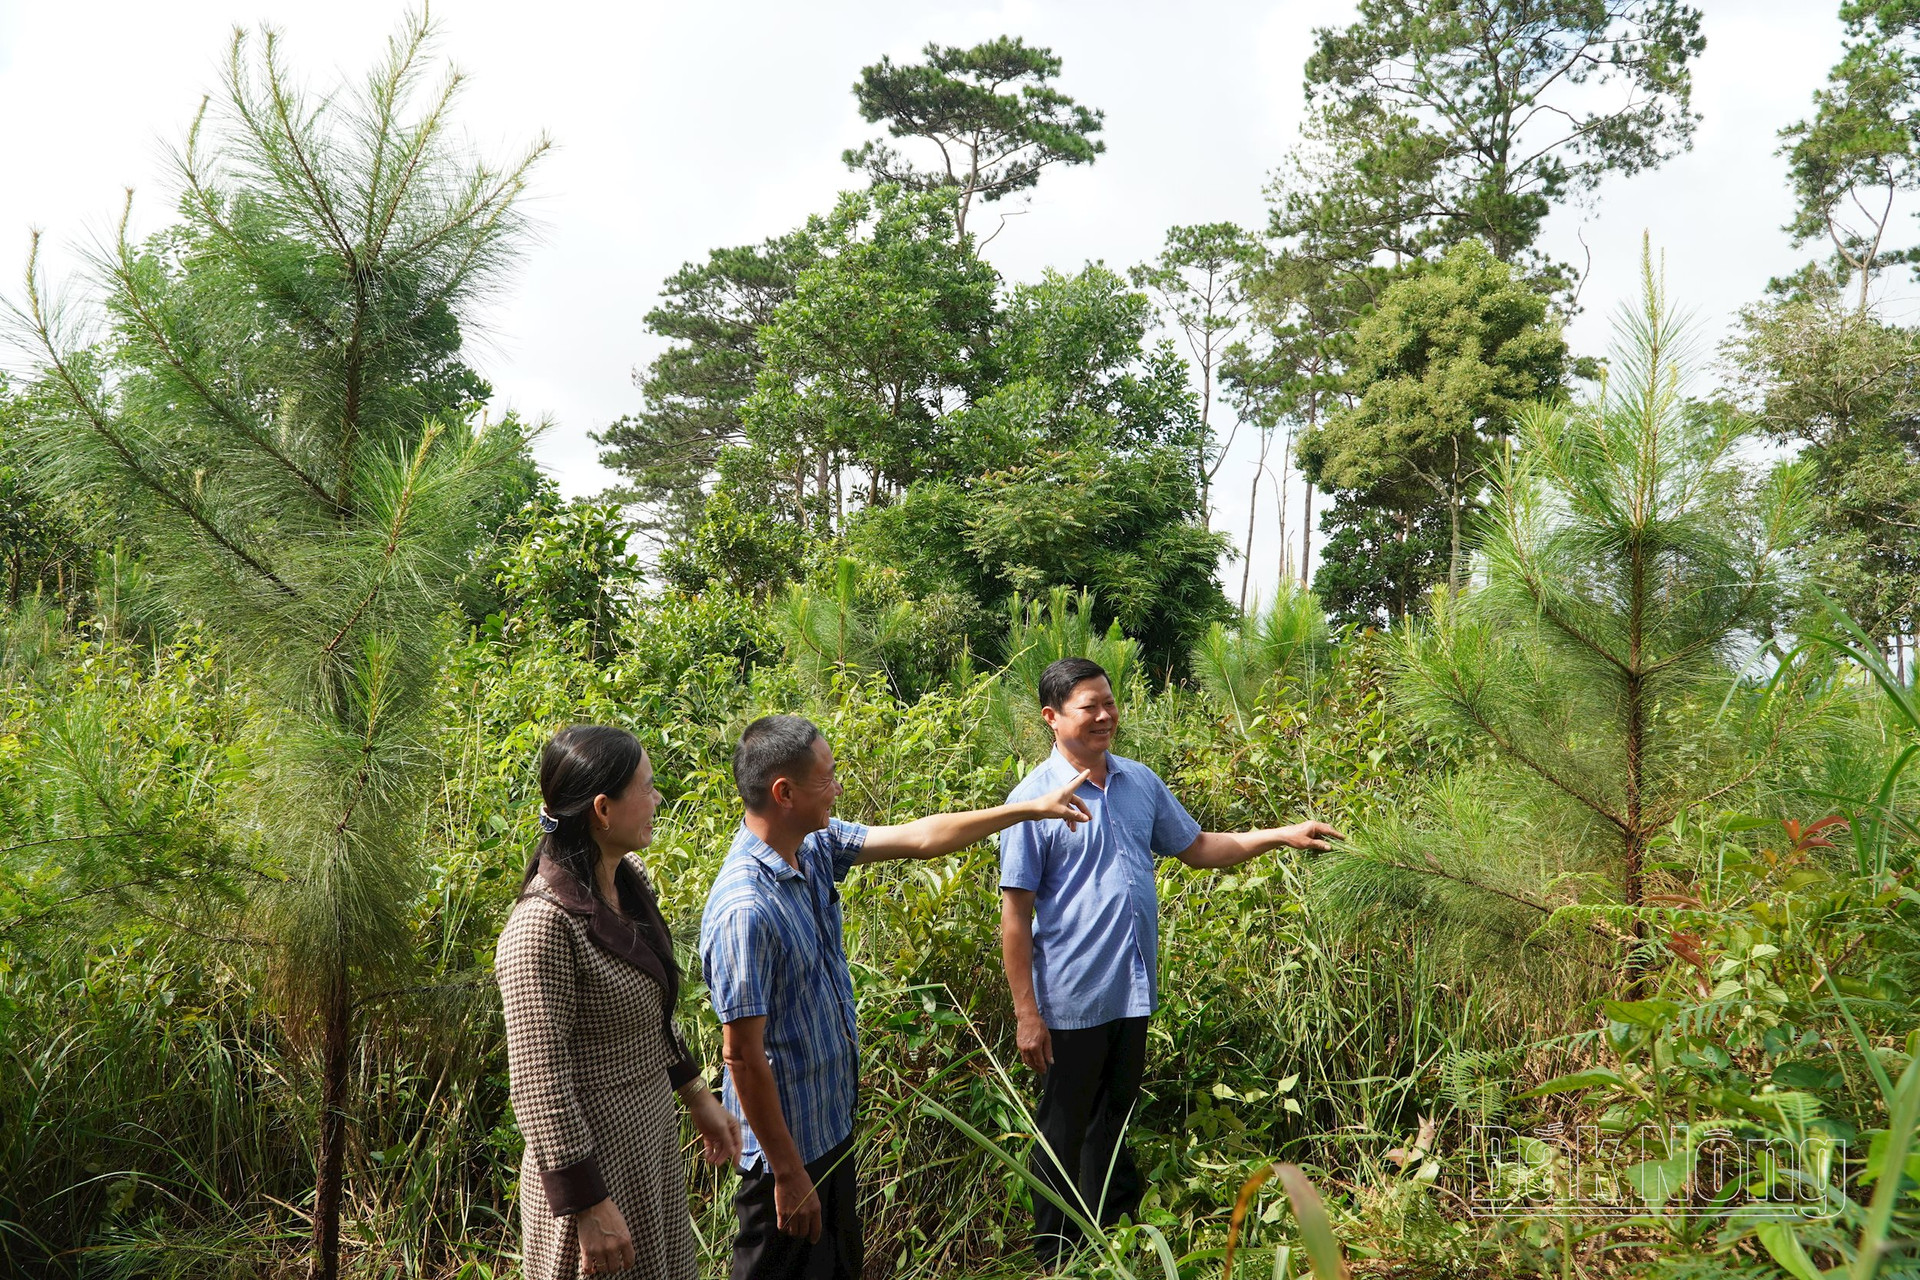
column 1065, row 805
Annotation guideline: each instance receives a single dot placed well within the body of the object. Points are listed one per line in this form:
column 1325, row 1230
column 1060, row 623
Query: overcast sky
column 681, row 127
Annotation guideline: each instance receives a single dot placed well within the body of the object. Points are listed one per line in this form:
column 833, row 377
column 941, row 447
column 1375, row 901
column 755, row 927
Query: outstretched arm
column 940, row 833
column 1215, row 850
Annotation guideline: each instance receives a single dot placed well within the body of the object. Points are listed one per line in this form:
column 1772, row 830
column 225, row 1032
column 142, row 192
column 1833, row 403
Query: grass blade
column 1323, row 1250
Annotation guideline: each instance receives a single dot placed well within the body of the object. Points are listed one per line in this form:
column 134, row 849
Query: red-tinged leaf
column 1808, row 836
column 1687, row 947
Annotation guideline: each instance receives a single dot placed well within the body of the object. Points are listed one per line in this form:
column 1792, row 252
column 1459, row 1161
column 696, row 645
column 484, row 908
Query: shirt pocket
column 1134, row 838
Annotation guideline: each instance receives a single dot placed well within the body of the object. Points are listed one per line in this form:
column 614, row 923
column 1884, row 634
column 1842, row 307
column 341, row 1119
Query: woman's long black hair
column 582, row 761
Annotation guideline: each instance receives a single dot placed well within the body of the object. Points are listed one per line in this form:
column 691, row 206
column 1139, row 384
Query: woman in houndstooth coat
column 589, row 984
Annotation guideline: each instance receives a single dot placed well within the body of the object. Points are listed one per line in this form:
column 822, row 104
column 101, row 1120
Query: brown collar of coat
column 611, row 933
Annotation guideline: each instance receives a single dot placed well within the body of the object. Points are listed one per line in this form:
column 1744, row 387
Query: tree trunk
column 1246, row 565
column 1453, row 517
column 1306, row 539
column 1206, row 433
column 1633, row 886
column 1406, row 537
column 820, row 484
column 335, row 1045
column 1453, row 548
column 1306, row 522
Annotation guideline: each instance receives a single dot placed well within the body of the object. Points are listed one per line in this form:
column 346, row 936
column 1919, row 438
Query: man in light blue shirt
column 1079, row 934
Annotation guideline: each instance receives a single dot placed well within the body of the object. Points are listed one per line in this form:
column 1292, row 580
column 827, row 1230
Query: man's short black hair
column 772, row 747
column 1058, row 681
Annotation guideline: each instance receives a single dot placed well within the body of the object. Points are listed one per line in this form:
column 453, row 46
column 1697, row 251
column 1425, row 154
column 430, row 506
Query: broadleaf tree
column 1839, row 384
column 1125, row 528
column 864, row 363
column 1437, row 371
column 274, row 386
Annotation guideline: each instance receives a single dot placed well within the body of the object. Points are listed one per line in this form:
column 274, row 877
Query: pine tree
column 275, row 389
column 991, row 112
column 1627, row 560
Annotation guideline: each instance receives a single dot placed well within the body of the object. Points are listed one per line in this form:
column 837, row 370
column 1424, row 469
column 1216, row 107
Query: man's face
column 1088, row 718
column 814, row 794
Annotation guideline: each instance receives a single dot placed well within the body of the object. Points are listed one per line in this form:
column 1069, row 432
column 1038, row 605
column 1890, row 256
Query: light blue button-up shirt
column 770, row 947
column 1096, row 929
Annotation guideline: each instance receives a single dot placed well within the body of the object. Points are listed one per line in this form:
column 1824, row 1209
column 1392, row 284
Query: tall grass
column 153, row 1110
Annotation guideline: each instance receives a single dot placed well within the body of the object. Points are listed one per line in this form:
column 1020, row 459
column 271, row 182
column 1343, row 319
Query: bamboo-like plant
column 273, row 386
column 1629, row 565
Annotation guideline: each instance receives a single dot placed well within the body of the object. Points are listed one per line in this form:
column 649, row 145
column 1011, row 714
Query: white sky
column 682, row 127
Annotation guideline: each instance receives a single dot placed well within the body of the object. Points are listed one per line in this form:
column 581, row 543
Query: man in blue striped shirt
column 771, row 954
column 1079, row 934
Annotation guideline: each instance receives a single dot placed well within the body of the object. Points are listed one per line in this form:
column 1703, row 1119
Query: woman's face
column 626, row 823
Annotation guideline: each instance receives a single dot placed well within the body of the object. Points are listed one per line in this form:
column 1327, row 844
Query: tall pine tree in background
column 1818, row 373
column 711, row 314
column 992, row 114
column 1431, row 126
column 274, row 386
column 1199, row 278
column 1860, row 151
column 1450, row 122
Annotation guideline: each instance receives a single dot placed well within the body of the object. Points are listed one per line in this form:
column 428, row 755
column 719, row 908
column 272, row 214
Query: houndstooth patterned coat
column 594, row 1057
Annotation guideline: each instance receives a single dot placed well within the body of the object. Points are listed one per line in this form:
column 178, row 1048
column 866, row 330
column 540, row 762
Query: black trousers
column 1085, row 1099
column 763, row 1252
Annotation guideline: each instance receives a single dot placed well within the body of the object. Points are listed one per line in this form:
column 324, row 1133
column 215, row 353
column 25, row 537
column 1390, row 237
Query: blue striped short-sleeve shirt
column 770, row 946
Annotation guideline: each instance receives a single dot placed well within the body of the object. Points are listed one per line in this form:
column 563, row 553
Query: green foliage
column 1071, row 365
column 1288, row 640
column 1627, row 562
column 991, row 111
column 279, row 398
column 749, row 551
column 1837, row 382
column 1861, row 148
column 503, row 516
column 1377, row 566
column 265, row 802
column 1758, row 1076
column 571, row 570
column 860, row 364
column 44, row 550
column 711, row 313
column 1124, row 528
column 1437, row 372
column 858, row 619
column 1455, row 123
